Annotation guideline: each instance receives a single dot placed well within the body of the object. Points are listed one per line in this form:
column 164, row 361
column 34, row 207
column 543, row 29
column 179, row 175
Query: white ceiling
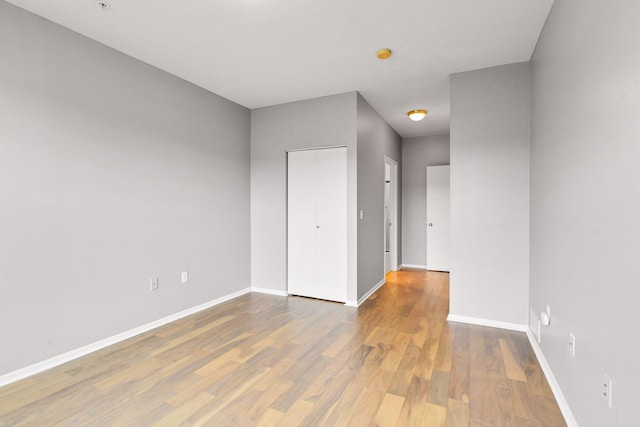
column 266, row 52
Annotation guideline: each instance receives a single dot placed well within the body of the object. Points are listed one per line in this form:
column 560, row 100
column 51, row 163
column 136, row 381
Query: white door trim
column 393, row 241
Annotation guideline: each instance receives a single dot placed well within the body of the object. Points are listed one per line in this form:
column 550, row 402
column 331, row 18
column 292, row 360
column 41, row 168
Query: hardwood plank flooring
column 262, row 360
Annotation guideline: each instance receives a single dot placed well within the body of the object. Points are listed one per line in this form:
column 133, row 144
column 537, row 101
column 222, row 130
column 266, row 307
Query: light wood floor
column 273, row 361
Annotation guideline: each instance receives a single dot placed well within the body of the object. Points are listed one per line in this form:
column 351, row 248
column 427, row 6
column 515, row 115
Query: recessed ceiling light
column 383, row 53
column 417, row 115
column 103, row 5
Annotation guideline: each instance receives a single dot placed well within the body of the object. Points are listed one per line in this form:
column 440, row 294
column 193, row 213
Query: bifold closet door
column 317, row 223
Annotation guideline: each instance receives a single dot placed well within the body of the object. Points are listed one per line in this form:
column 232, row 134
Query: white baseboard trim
column 98, row 345
column 486, row 322
column 553, row 383
column 269, row 291
column 372, row 291
column 351, row 303
column 418, row 266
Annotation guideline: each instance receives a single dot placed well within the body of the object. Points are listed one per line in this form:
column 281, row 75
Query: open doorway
column 390, row 215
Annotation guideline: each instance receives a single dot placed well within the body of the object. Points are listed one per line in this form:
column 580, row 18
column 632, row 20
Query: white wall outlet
column 572, row 344
column 548, row 311
column 607, row 390
column 185, row 277
column 545, row 316
column 154, row 283
column 361, row 214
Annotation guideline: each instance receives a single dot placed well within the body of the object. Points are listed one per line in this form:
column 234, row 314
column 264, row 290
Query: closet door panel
column 332, row 220
column 301, row 217
column 317, row 223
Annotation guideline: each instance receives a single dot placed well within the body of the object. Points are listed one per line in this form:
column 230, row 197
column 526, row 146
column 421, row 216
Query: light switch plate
column 572, row 344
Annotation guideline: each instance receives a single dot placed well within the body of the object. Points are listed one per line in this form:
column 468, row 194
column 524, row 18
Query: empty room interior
column 299, row 212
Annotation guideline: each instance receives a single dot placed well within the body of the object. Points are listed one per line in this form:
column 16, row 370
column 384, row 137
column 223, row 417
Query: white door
column 438, row 228
column 317, row 223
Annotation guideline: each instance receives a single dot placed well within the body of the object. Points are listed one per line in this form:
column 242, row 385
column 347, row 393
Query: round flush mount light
column 103, row 5
column 417, row 115
column 384, row 53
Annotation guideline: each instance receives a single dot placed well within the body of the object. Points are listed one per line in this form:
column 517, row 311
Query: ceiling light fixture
column 383, row 53
column 417, row 115
column 103, row 5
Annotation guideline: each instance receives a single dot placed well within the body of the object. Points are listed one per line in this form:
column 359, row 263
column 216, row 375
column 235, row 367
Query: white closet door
column 302, row 182
column 317, row 223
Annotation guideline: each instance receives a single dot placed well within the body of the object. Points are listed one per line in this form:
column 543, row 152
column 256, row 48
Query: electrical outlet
column 154, row 283
column 607, row 390
column 572, row 344
column 185, row 277
column 545, row 316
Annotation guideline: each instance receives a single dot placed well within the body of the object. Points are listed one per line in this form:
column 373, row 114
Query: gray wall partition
column 111, row 172
column 490, row 194
column 318, row 122
column 585, row 203
column 376, row 139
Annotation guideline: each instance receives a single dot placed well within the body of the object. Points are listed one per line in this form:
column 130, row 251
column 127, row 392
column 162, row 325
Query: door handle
column 430, row 224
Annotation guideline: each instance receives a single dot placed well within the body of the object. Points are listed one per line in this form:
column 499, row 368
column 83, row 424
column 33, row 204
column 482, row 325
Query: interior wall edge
column 366, row 296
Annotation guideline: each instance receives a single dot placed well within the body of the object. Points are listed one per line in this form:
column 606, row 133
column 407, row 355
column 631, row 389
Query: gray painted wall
column 585, row 202
column 417, row 154
column 312, row 123
column 111, row 172
column 375, row 140
column 345, row 119
column 490, row 193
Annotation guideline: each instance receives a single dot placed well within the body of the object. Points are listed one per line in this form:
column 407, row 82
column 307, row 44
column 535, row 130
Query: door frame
column 393, row 214
column 344, row 299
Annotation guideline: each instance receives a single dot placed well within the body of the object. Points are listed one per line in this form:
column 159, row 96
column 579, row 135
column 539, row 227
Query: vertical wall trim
column 395, row 262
